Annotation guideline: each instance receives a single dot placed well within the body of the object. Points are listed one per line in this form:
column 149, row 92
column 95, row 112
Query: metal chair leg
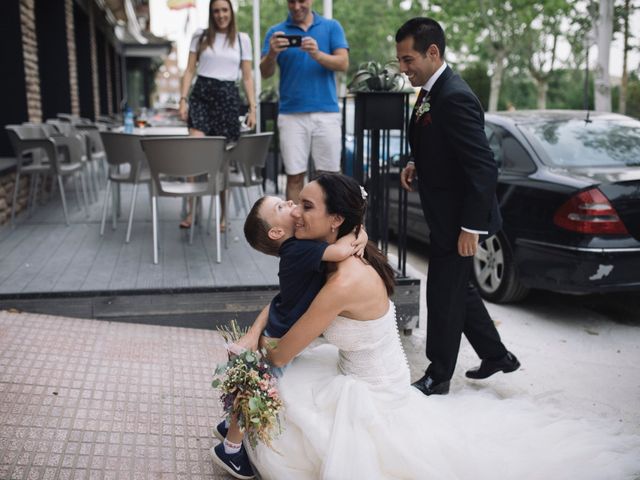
column 16, row 187
column 154, row 221
column 218, row 253
column 245, row 200
column 194, row 211
column 133, row 206
column 104, row 207
column 77, row 191
column 92, row 188
column 35, row 190
column 84, row 194
column 150, row 196
column 32, row 188
column 209, row 216
column 119, row 200
column 236, row 200
column 94, row 178
column 114, row 204
column 226, row 218
column 64, row 200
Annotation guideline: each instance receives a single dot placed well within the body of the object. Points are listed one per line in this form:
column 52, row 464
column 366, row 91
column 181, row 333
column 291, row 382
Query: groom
column 458, row 177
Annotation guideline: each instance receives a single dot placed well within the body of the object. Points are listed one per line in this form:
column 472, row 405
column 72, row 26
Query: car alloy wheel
column 495, row 273
column 488, row 265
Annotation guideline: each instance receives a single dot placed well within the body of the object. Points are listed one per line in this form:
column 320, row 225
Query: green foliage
column 518, row 90
column 369, row 25
column 476, row 76
column 633, row 96
column 232, row 332
column 476, row 31
column 374, row 77
column 566, row 90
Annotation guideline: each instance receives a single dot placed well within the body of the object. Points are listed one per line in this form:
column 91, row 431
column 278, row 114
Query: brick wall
column 94, row 59
column 30, row 55
column 34, row 106
column 71, row 48
column 7, row 183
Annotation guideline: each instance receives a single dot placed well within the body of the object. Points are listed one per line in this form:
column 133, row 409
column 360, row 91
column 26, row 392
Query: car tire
column 495, row 273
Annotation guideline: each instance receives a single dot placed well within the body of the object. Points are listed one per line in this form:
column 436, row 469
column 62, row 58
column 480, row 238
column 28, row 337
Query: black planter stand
column 269, row 123
column 376, row 115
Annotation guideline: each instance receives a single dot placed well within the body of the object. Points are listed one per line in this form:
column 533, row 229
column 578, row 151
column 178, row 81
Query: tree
column 541, row 43
column 495, row 30
column 604, row 34
column 369, row 40
column 624, row 13
column 633, row 96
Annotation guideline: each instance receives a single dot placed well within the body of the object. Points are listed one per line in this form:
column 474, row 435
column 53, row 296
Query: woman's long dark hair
column 343, row 196
column 209, row 35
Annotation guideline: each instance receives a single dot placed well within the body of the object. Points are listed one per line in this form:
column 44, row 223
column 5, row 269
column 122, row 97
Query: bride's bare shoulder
column 352, row 271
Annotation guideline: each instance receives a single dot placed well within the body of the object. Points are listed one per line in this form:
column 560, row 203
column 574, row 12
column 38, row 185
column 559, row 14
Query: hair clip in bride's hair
column 363, row 192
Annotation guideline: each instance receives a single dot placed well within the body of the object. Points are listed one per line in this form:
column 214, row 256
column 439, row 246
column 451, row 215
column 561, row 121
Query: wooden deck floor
column 43, row 255
column 48, row 267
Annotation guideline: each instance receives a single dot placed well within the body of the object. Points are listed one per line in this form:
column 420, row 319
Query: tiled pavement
column 90, row 399
column 87, row 399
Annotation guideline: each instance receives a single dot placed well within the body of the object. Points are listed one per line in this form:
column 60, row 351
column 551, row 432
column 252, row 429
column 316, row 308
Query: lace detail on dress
column 370, row 350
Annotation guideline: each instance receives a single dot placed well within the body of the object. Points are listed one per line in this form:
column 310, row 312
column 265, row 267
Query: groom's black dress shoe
column 506, row 364
column 429, row 387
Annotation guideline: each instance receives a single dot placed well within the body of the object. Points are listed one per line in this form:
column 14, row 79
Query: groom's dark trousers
column 457, row 178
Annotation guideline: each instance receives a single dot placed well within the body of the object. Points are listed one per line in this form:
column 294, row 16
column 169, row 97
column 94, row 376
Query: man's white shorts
column 318, row 133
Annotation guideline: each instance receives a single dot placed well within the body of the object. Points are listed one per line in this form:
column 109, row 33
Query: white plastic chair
column 249, row 156
column 26, row 138
column 123, row 149
column 183, row 157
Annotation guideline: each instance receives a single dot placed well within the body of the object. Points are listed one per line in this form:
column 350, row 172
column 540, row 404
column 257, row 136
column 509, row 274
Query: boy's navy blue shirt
column 302, row 275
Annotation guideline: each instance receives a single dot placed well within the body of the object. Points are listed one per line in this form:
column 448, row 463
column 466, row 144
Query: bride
column 351, row 413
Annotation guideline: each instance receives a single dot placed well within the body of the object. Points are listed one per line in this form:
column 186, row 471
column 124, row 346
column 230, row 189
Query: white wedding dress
column 351, row 413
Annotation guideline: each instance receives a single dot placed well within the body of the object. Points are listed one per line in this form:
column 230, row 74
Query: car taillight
column 589, row 212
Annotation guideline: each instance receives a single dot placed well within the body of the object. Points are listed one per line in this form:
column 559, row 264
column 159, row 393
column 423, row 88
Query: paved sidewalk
column 87, row 399
column 90, row 399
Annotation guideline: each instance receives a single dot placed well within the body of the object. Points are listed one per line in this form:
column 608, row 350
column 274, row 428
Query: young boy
column 270, row 229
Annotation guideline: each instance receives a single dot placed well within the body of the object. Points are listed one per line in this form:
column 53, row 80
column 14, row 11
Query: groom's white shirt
column 432, row 80
column 428, row 86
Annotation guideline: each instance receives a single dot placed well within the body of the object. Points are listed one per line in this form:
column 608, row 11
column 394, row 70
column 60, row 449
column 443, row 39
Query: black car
column 569, row 193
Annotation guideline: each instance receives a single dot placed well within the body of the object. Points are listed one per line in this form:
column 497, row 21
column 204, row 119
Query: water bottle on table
column 128, row 120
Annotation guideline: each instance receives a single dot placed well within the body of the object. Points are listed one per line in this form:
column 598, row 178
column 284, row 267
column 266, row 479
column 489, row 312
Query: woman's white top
column 222, row 61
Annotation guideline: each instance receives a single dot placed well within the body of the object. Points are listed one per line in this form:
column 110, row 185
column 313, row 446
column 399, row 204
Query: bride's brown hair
column 343, row 196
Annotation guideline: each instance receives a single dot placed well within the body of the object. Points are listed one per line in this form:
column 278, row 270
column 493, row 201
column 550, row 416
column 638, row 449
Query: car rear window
column 576, row 143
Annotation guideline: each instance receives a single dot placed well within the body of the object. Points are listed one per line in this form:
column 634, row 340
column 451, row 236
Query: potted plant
column 374, row 77
column 380, row 99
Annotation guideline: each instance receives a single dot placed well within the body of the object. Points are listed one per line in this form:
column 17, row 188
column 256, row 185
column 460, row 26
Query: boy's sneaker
column 221, row 431
column 236, row 464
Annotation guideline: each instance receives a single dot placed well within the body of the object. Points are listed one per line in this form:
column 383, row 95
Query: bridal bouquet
column 249, row 391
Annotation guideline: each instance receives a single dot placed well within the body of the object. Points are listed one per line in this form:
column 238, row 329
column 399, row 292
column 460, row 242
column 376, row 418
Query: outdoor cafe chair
column 26, row 138
column 173, row 158
column 95, row 148
column 127, row 164
column 73, row 119
column 75, row 146
column 249, row 156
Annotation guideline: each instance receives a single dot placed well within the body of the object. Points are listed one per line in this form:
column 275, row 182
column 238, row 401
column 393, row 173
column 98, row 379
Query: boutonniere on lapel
column 422, row 112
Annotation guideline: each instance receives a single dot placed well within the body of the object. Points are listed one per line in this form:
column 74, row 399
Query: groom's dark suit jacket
column 457, row 174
